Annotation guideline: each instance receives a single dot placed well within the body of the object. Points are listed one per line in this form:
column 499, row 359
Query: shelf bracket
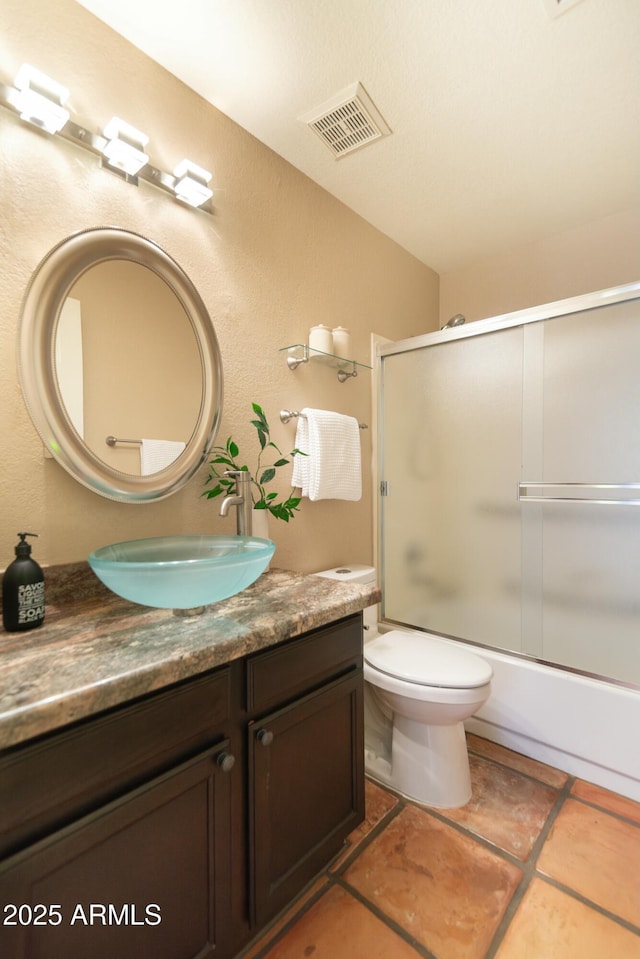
column 293, row 362
column 344, row 375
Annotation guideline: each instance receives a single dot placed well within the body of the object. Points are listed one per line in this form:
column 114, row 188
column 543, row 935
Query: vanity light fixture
column 40, row 100
column 125, row 145
column 191, row 184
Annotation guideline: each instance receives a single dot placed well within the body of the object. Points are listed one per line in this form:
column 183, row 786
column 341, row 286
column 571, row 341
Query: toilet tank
column 357, row 573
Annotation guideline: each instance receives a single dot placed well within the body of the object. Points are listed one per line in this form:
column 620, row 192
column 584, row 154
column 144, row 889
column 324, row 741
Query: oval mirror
column 119, row 365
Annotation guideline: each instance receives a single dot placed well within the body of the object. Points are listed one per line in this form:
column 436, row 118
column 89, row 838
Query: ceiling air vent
column 347, row 122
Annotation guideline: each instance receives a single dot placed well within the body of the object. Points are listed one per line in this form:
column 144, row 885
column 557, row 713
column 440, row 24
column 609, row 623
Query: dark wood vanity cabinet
column 146, row 876
column 121, row 826
column 306, row 761
column 178, row 825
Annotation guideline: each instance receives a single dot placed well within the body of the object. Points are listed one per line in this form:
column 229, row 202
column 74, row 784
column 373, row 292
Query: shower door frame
column 560, row 308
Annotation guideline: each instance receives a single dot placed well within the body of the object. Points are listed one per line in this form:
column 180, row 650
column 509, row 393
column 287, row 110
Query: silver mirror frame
column 47, row 290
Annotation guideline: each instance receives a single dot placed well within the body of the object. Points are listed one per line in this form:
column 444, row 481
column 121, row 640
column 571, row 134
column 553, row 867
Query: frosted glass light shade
column 191, row 183
column 40, row 100
column 124, row 147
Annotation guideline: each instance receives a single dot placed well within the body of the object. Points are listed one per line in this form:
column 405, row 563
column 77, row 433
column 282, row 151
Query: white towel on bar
column 332, row 469
column 156, row 455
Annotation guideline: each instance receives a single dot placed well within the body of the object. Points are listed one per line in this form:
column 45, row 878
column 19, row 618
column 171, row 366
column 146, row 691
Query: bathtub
column 586, row 727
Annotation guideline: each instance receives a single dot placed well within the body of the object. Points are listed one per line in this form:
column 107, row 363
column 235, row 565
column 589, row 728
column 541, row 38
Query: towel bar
column 112, row 440
column 286, row 415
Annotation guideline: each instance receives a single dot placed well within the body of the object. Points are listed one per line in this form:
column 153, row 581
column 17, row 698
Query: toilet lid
column 425, row 660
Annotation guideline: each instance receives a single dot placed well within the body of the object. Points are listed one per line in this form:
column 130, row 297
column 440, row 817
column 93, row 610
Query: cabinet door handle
column 264, row 737
column 226, row 762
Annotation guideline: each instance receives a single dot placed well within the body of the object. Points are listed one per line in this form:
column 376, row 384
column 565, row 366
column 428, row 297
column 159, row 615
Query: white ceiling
column 509, row 124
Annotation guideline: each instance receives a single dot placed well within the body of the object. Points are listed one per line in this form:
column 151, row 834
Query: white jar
column 320, row 338
column 341, row 342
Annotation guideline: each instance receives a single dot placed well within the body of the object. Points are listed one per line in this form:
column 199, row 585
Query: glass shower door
column 452, row 437
column 590, row 582
column 510, row 468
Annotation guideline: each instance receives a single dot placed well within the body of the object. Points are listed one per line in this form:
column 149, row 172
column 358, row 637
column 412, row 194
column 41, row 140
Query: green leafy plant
column 226, row 458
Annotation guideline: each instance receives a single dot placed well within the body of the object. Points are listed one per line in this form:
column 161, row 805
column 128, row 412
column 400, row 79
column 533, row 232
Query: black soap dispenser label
column 23, row 590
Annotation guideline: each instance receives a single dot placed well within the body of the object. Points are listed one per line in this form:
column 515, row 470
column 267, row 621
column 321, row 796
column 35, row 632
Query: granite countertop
column 95, row 650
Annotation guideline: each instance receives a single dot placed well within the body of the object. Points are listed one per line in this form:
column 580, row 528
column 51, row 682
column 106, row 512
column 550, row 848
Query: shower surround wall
column 486, row 429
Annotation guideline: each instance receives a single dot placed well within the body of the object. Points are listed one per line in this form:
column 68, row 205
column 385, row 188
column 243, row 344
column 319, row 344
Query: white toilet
column 419, row 689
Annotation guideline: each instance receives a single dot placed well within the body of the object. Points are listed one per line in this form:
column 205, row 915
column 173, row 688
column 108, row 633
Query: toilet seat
column 426, row 661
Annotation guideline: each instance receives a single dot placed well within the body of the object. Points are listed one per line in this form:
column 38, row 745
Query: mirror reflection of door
column 69, row 362
column 141, row 372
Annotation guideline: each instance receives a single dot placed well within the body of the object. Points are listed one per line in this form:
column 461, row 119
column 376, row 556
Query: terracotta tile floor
column 537, row 865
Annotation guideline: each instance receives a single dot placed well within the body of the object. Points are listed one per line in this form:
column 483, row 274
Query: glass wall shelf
column 300, row 353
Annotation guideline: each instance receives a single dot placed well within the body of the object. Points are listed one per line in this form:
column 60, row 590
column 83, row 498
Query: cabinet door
column 102, row 757
column 306, row 790
column 145, row 876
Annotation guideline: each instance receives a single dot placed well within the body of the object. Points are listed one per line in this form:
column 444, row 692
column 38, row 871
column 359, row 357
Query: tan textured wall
column 279, row 255
column 601, row 254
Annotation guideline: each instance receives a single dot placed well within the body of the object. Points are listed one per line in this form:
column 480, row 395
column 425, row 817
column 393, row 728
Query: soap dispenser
column 23, row 590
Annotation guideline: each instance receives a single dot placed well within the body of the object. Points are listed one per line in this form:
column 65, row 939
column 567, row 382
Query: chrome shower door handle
column 604, row 494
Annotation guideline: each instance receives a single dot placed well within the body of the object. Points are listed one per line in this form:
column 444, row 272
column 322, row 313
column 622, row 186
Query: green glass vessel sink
column 181, row 572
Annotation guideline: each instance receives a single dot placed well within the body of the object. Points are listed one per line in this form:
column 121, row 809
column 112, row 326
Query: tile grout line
column 512, row 907
column 618, row 920
column 554, row 812
column 333, row 879
column 288, row 925
column 469, row 834
column 568, row 795
column 529, row 871
column 528, row 867
column 529, row 775
column 610, row 812
column 435, row 812
column 370, row 837
column 520, row 772
column 387, row 920
column 569, row 890
column 441, row 816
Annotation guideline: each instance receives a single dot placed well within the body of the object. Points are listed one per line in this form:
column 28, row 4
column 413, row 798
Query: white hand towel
column 300, row 476
column 156, row 455
column 332, row 469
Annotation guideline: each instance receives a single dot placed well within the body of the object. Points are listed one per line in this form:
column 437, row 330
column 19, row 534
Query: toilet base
column 429, row 764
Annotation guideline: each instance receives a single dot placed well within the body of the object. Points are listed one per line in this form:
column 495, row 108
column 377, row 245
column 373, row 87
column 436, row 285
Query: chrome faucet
column 242, row 499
